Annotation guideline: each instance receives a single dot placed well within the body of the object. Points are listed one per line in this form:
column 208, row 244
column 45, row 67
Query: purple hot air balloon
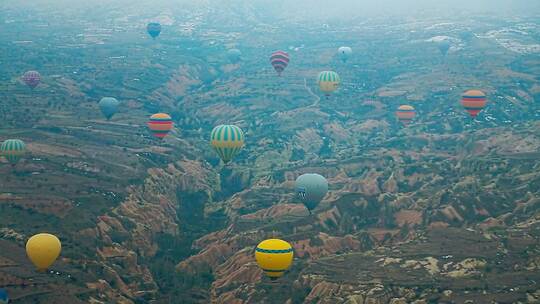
column 32, row 78
column 279, row 61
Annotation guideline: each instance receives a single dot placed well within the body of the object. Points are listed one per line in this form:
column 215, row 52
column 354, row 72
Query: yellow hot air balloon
column 274, row 257
column 43, row 249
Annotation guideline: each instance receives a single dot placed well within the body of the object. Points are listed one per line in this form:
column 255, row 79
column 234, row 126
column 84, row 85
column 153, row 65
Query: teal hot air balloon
column 13, row 150
column 311, row 189
column 234, row 55
column 344, row 53
column 4, row 298
column 444, row 46
column 108, row 106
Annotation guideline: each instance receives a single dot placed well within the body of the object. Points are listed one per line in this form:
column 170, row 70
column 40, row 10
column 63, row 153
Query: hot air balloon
column 473, row 101
column 234, row 55
column 444, row 46
column 466, row 35
column 311, row 189
column 405, row 114
column 32, row 79
column 274, row 257
column 279, row 61
column 108, row 106
column 328, row 82
column 13, row 150
column 344, row 53
column 227, row 140
column 160, row 124
column 43, row 249
column 153, row 29
column 4, row 299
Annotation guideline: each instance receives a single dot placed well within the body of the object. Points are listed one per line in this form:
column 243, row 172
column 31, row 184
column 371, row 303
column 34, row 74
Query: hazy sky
column 363, row 7
column 314, row 8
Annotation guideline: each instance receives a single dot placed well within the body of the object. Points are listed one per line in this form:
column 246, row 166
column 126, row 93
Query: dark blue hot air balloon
column 4, row 299
column 154, row 29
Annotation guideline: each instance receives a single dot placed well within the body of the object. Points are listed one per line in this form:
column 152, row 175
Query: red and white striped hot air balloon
column 279, row 60
column 32, row 78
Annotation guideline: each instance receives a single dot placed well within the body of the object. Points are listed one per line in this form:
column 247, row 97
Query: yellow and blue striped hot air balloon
column 328, row 81
column 405, row 114
column 160, row 125
column 474, row 101
column 227, row 140
column 274, row 257
column 13, row 150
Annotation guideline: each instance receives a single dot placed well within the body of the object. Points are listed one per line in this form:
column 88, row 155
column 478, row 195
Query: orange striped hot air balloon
column 405, row 114
column 474, row 101
column 160, row 124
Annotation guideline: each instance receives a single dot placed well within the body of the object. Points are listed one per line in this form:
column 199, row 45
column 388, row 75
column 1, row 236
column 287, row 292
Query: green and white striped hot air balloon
column 227, row 140
column 328, row 81
column 13, row 150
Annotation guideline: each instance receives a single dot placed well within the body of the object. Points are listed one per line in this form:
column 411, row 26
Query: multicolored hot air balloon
column 311, row 189
column 279, row 60
column 108, row 106
column 474, row 101
column 43, row 249
column 234, row 55
column 32, row 79
column 227, row 140
column 13, row 150
column 328, row 82
column 405, row 114
column 274, row 257
column 4, row 298
column 344, row 53
column 160, row 124
column 153, row 29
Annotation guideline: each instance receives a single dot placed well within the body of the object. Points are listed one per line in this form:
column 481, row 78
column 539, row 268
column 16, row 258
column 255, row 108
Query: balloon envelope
column 160, row 124
column 344, row 53
column 474, row 101
column 444, row 46
column 153, row 29
column 108, row 106
column 234, row 55
column 405, row 114
column 4, row 298
column 311, row 189
column 279, row 60
column 274, row 257
column 43, row 249
column 32, row 78
column 328, row 81
column 227, row 140
column 13, row 150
